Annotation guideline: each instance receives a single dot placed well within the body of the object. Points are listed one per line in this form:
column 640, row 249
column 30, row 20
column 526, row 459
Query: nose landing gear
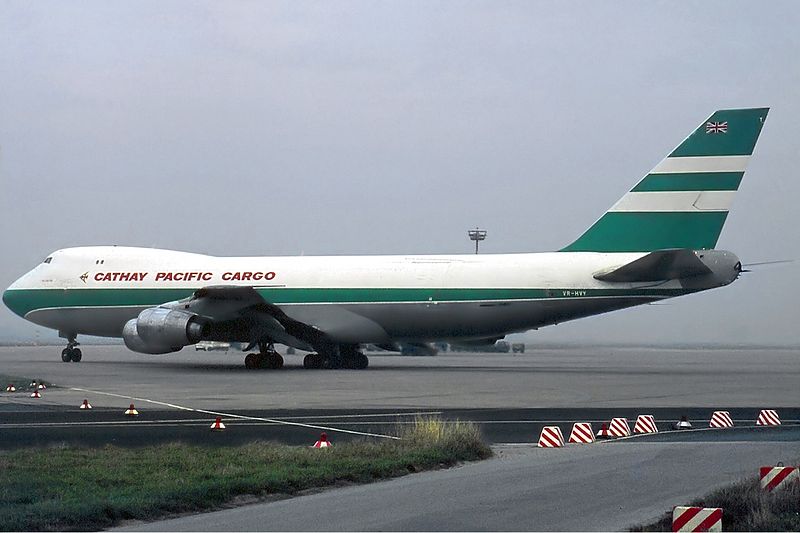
column 71, row 352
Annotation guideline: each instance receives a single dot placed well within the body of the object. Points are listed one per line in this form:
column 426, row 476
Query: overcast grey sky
column 282, row 128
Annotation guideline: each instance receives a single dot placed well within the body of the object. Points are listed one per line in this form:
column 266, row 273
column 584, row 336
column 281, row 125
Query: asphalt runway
column 509, row 396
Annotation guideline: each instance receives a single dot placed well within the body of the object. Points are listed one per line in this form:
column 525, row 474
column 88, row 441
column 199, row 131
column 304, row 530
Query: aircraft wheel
column 361, row 362
column 313, row 360
column 76, row 355
column 251, row 361
column 66, row 356
column 274, row 361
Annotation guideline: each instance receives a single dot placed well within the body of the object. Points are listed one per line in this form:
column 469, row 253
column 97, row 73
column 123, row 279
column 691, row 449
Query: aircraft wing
column 659, row 265
column 235, row 310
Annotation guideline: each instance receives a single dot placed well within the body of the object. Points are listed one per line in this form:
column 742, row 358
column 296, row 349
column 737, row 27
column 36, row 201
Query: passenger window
column 48, row 259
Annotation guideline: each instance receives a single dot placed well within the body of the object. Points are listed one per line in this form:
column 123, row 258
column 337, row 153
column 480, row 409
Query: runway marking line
column 236, row 416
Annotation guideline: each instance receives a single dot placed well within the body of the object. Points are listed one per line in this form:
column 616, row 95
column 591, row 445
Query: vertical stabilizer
column 684, row 200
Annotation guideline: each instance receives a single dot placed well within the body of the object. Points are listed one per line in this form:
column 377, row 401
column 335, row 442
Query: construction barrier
column 645, row 424
column 619, row 428
column 777, row 477
column 551, row 437
column 768, row 417
column 697, row 519
column 85, row 405
column 581, row 433
column 721, row 419
column 323, row 441
column 218, row 425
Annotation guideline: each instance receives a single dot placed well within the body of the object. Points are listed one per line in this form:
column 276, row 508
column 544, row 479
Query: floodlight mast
column 477, row 235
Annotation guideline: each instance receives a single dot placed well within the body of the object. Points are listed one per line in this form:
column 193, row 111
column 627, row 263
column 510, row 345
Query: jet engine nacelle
column 161, row 330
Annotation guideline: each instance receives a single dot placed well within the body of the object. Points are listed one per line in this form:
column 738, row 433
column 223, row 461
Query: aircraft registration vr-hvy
column 656, row 242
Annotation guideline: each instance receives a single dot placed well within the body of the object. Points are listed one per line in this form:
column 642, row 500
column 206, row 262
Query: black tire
column 66, row 356
column 277, row 361
column 361, row 362
column 251, row 361
column 308, row 361
column 76, row 355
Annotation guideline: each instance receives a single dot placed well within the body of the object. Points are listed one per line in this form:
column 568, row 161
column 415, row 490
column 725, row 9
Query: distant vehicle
column 656, row 242
column 497, row 347
column 518, row 347
column 212, row 346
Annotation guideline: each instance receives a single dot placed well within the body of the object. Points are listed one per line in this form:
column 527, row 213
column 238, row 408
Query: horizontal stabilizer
column 659, row 265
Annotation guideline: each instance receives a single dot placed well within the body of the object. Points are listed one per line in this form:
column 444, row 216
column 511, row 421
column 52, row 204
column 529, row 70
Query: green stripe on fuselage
column 619, row 231
column 690, row 181
column 23, row 301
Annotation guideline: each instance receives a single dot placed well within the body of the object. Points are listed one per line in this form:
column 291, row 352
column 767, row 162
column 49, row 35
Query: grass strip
column 93, row 488
column 747, row 507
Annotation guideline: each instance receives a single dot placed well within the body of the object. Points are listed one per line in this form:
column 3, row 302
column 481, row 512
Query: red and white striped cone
column 85, row 405
column 619, row 427
column 551, row 437
column 131, row 411
column 11, row 388
column 696, row 519
column 35, row 394
column 323, row 441
column 581, row 433
column 721, row 419
column 768, row 417
column 777, row 477
column 218, row 425
column 645, row 424
column 603, row 433
column 42, row 386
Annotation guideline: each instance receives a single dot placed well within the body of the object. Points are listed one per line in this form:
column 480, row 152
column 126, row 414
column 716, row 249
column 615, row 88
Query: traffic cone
column 603, row 433
column 86, row 405
column 36, row 394
column 131, row 411
column 42, row 386
column 11, row 388
column 218, row 425
column 683, row 423
column 32, row 385
column 323, row 442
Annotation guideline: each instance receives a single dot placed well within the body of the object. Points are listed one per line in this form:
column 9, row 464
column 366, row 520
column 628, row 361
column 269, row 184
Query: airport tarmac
column 567, row 377
column 510, row 396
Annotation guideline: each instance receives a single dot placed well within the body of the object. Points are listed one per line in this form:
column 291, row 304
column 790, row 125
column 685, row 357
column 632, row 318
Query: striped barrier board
column 581, row 433
column 551, row 437
column 768, row 417
column 777, row 477
column 619, row 428
column 721, row 419
column 645, row 424
column 696, row 519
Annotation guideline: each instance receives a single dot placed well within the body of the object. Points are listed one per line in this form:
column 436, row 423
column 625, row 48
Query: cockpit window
column 48, row 259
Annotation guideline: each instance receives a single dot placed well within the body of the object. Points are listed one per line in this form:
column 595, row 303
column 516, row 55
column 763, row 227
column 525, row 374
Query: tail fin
column 684, row 200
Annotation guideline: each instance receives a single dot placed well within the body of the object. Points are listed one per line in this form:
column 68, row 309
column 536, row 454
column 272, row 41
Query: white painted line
column 233, row 415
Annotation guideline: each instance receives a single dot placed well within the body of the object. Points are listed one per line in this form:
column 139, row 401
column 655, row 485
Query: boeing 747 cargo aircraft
column 658, row 241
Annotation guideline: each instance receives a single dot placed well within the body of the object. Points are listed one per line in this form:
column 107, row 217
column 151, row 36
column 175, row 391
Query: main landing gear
column 266, row 358
column 337, row 357
column 71, row 352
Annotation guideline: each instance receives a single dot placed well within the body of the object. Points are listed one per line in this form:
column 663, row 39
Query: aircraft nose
column 11, row 299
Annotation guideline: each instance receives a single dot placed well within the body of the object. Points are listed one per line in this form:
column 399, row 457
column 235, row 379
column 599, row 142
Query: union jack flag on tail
column 717, row 127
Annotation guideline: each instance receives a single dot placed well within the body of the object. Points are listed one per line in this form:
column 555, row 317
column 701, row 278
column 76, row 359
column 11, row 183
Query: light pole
column 477, row 235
